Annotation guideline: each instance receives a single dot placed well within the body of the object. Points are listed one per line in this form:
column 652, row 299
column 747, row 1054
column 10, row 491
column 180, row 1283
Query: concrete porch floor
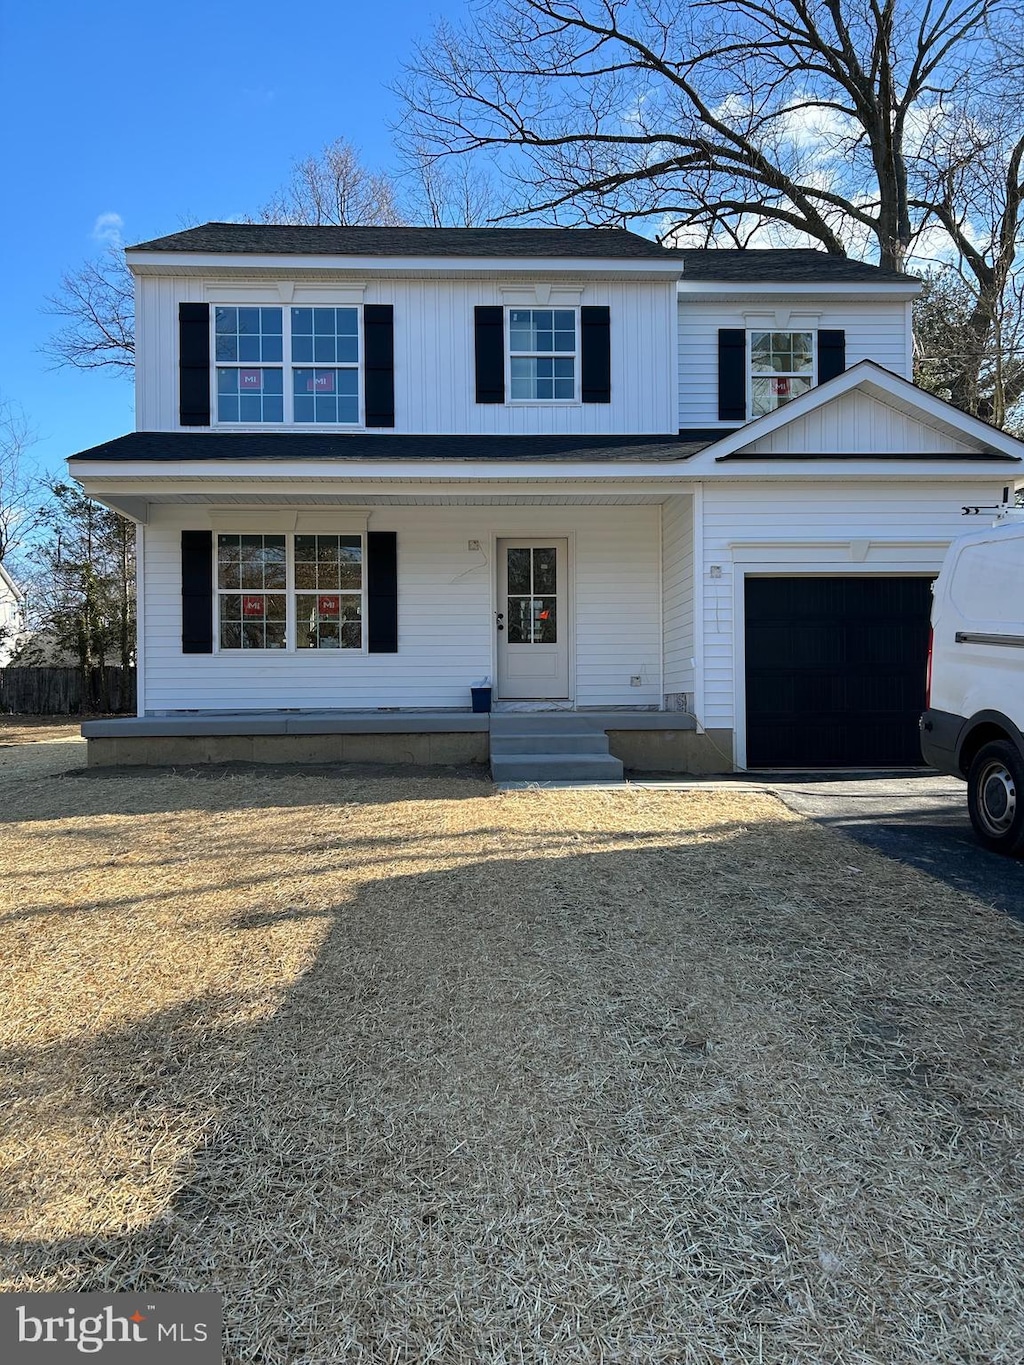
column 653, row 741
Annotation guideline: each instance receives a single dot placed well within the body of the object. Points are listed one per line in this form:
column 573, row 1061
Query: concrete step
column 543, row 723
column 578, row 742
column 555, row 768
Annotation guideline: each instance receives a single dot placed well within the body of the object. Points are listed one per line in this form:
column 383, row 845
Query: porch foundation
column 645, row 741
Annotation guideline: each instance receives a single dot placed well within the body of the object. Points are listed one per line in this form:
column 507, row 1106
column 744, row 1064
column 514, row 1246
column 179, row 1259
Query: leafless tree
column 334, row 187
column 874, row 128
column 97, row 302
column 447, row 193
column 21, row 493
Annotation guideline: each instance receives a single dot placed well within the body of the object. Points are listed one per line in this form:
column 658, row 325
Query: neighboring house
column 12, row 616
column 693, row 494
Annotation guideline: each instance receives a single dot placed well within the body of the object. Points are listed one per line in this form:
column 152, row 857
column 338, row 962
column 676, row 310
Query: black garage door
column 835, row 671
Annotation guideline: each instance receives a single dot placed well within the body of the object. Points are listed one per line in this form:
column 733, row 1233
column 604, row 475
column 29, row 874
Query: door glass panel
column 519, row 571
column 545, row 629
column 544, row 570
column 531, row 602
column 518, row 620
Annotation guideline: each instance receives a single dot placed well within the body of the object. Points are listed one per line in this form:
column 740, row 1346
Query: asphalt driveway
column 918, row 818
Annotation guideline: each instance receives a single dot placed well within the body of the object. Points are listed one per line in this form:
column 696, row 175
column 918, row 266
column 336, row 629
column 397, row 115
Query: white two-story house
column 692, row 496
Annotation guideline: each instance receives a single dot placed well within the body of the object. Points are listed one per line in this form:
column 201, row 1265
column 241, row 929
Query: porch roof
column 175, row 446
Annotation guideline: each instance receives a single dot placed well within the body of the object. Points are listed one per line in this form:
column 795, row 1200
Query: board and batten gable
column 446, row 621
column 859, row 424
column 877, row 329
column 782, row 528
column 434, row 348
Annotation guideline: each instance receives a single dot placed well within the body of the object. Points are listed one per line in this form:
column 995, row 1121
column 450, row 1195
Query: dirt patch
column 412, row 1071
column 38, row 729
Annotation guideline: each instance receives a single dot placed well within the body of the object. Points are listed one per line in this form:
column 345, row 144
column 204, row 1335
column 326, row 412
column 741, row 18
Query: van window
column 987, row 580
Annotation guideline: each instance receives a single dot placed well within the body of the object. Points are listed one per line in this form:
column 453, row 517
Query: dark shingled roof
column 168, row 446
column 263, row 239
column 785, row 265
column 803, row 265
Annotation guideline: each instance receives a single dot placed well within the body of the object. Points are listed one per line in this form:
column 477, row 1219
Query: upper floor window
column 328, row 391
column 248, row 391
column 543, row 348
column 319, row 347
column 781, row 368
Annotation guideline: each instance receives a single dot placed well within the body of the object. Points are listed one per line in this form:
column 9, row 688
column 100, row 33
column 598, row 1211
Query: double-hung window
column 543, row 345
column 248, row 346
column 295, row 365
column 328, row 592
column 252, row 579
column 781, row 368
column 290, row 591
column 325, row 364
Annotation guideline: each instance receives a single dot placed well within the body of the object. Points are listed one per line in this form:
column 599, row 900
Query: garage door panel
column 835, row 670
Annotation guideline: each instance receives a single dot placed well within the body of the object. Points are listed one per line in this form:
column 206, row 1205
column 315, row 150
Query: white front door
column 533, row 634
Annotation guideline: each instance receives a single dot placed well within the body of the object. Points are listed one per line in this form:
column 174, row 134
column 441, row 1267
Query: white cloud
column 107, row 229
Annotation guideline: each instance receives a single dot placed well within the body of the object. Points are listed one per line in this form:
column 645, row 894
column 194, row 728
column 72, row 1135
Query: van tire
column 995, row 796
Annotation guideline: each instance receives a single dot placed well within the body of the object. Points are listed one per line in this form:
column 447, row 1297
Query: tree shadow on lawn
column 136, row 790
column 578, row 1107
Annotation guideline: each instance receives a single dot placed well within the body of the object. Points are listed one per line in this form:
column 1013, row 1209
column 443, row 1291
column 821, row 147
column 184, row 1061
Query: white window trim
column 290, row 592
column 576, row 356
column 286, row 365
column 789, row 330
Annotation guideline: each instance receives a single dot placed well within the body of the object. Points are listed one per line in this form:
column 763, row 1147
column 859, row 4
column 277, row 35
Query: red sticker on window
column 327, row 606
column 782, row 388
column 321, row 383
column 254, row 606
column 250, row 380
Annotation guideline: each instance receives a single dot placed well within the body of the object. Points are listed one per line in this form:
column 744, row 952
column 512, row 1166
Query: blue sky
column 162, row 116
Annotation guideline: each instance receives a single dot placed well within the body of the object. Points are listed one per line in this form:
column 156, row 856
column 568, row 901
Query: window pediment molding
column 255, row 519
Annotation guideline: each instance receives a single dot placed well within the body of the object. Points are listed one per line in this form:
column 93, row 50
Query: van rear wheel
column 995, row 796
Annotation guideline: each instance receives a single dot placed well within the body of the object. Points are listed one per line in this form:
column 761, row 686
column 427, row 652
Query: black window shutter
column 379, row 343
column 194, row 364
column 382, row 592
column 595, row 341
column 197, row 592
column 489, row 328
column 831, row 355
column 732, row 374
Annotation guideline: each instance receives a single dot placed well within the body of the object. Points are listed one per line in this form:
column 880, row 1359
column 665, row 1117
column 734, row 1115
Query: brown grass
column 414, row 1072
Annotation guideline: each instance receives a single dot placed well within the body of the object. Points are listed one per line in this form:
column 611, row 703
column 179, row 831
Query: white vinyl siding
column 435, row 390
column 874, row 331
column 811, row 528
column 446, row 616
column 858, row 424
column 677, row 589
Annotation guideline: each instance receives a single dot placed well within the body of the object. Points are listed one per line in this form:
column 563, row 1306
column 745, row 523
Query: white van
column 974, row 724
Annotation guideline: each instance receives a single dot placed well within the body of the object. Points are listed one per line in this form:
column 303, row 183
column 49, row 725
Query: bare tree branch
column 98, row 301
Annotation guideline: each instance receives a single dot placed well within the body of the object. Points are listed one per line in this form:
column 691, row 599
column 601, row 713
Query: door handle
column 501, row 619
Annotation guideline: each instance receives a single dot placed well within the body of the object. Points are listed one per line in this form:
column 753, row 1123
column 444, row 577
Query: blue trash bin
column 481, row 698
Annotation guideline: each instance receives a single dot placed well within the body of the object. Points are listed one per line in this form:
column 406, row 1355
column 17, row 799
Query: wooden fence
column 66, row 691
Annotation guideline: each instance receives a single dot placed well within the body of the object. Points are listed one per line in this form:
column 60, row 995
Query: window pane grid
column 321, row 346
column 782, row 368
column 542, row 353
column 322, row 338
column 531, row 606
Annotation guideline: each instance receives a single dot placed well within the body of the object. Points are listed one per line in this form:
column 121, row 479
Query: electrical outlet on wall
column 635, row 680
column 473, row 545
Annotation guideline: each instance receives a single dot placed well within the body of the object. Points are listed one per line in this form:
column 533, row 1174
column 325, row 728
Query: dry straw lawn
column 414, row 1072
